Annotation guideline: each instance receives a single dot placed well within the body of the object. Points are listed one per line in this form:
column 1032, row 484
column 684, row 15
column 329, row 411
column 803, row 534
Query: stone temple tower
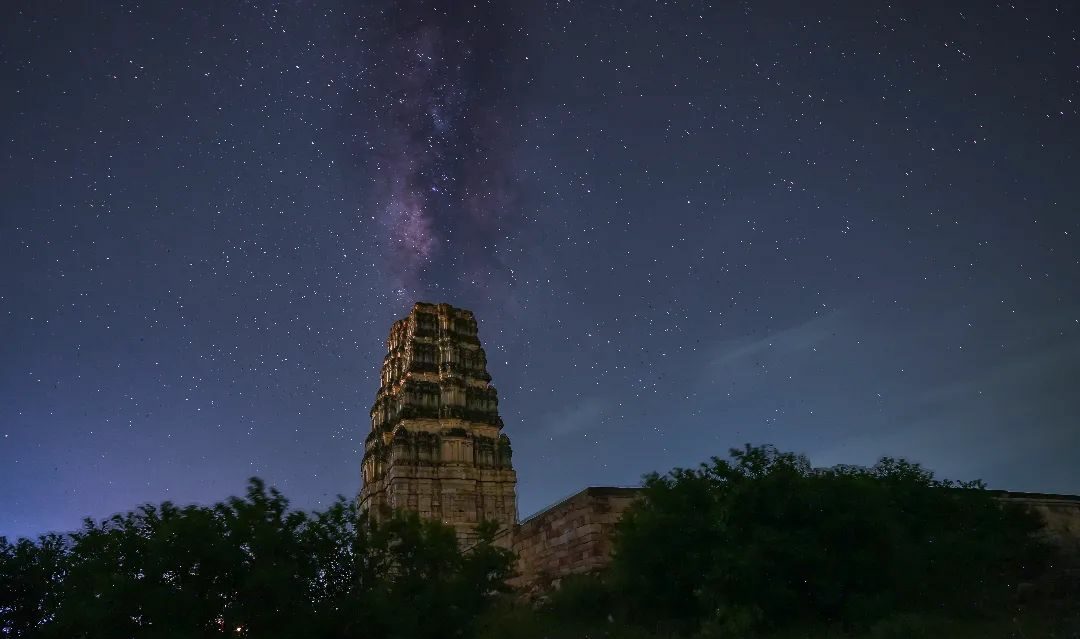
column 435, row 445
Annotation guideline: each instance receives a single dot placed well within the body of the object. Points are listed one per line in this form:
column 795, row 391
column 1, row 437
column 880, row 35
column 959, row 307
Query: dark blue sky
column 848, row 231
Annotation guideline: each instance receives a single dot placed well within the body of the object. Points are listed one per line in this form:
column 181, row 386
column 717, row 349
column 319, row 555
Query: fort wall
column 575, row 535
column 1061, row 513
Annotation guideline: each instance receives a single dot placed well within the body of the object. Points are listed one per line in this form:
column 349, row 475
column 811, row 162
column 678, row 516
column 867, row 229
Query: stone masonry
column 436, row 448
column 573, row 536
column 1060, row 513
column 436, row 445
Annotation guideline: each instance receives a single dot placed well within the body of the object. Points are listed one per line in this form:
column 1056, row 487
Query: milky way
column 847, row 229
column 439, row 90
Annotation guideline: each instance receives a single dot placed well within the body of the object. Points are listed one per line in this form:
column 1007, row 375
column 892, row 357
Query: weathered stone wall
column 1061, row 514
column 573, row 536
column 459, row 495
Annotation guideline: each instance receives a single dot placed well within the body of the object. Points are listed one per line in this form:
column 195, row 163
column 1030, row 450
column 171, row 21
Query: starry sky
column 845, row 228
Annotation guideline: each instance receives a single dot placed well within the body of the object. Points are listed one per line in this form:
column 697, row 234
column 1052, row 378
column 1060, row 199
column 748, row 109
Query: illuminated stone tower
column 435, row 445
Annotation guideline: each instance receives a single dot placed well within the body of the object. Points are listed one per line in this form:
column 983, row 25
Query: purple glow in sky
column 846, row 229
column 442, row 73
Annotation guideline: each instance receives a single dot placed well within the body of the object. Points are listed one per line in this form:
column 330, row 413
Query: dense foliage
column 764, row 540
column 248, row 567
column 760, row 544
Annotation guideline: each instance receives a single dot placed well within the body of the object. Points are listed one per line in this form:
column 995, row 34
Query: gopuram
column 436, row 446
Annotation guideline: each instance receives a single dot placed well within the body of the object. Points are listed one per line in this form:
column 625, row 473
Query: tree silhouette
column 764, row 539
column 248, row 567
column 757, row 541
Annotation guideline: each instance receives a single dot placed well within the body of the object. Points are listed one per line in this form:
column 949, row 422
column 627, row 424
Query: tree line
column 753, row 545
column 248, row 567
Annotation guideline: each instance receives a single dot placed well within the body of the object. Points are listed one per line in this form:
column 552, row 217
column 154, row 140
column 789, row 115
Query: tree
column 248, row 567
column 30, row 578
column 763, row 538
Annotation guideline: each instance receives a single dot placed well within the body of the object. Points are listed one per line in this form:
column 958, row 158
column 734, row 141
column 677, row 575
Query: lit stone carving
column 436, row 445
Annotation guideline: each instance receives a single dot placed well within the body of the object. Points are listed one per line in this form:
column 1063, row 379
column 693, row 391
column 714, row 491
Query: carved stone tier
column 435, row 445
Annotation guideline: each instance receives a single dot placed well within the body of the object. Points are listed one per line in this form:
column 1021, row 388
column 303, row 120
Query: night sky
column 849, row 230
